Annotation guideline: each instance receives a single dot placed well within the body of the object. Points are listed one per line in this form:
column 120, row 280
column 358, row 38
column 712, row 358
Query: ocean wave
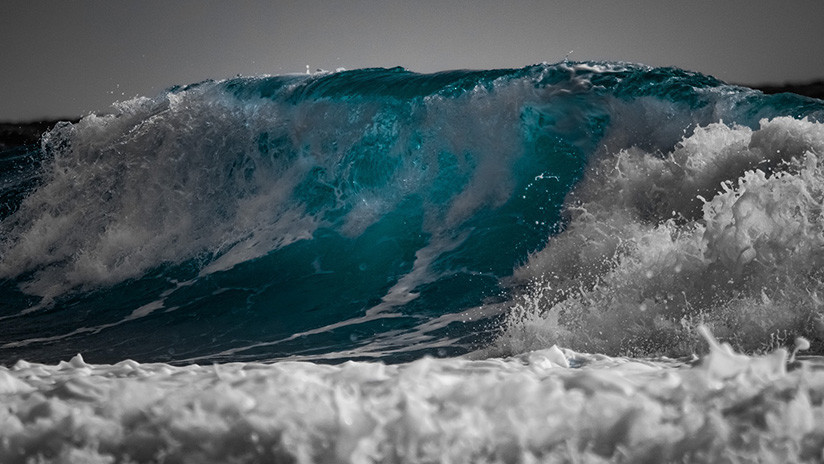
column 386, row 214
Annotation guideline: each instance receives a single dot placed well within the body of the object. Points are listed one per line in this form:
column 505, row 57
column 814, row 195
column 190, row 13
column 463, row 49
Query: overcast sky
column 68, row 58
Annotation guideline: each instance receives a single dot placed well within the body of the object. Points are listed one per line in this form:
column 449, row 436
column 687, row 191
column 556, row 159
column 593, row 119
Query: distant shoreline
column 814, row 89
column 21, row 133
column 18, row 134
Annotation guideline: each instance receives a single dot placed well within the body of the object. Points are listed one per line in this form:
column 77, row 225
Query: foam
column 724, row 230
column 529, row 408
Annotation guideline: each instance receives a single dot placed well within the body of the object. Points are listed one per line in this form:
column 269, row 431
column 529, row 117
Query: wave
column 384, row 213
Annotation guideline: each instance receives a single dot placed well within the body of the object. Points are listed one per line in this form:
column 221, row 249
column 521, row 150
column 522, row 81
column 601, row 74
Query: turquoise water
column 384, row 214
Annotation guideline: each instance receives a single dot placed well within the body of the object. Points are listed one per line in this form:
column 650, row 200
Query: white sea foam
column 530, row 408
column 725, row 230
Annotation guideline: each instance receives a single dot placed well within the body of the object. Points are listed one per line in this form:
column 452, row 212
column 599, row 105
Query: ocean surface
column 573, row 262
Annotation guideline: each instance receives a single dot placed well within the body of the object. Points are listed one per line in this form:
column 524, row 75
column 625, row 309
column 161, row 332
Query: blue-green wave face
column 367, row 213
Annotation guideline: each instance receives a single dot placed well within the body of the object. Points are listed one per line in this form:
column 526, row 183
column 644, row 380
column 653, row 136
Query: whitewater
column 571, row 262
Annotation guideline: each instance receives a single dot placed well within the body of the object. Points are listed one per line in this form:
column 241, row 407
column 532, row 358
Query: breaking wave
column 386, row 214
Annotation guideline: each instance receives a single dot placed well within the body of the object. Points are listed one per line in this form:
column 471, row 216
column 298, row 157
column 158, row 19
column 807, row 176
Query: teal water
column 385, row 214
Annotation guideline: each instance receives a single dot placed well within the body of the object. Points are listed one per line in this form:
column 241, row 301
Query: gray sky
column 68, row 58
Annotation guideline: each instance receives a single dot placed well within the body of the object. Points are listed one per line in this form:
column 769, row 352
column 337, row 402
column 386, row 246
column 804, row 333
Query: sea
column 579, row 262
